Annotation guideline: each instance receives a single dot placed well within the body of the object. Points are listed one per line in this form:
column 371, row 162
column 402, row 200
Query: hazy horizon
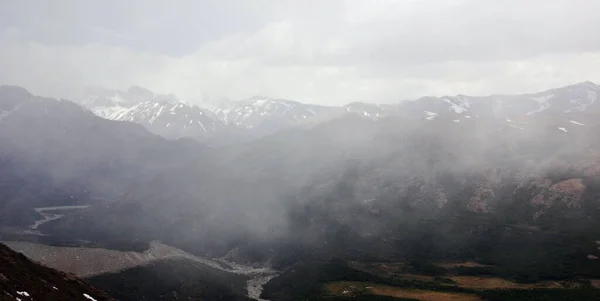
column 322, row 53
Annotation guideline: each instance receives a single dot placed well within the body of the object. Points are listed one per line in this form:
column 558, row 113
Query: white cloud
column 332, row 54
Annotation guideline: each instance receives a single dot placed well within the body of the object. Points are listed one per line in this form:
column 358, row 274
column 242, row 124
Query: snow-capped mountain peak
column 459, row 104
column 369, row 110
column 259, row 116
column 262, row 111
column 161, row 114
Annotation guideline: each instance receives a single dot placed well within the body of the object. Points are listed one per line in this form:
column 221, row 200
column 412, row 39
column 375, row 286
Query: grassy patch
column 474, row 282
column 465, row 264
column 349, row 289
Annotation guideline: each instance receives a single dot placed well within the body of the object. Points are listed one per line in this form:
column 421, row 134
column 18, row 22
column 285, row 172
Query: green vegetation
column 542, row 295
column 307, row 281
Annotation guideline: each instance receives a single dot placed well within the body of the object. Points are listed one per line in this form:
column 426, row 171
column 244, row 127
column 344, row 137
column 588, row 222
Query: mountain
column 265, row 115
column 55, row 152
column 256, row 117
column 164, row 115
column 171, row 120
column 101, row 97
column 102, row 159
column 356, row 167
column 410, row 192
column 371, row 111
column 23, row 279
column 570, row 99
column 512, row 190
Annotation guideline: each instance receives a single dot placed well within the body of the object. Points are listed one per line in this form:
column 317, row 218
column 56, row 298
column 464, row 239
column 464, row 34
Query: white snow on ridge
column 563, row 129
column 575, row 122
column 543, row 107
column 112, row 113
column 430, row 115
column 458, row 105
column 156, row 115
column 585, row 103
column 89, row 297
column 3, row 114
column 543, row 99
column 202, row 125
column 592, row 97
column 23, row 293
column 147, row 113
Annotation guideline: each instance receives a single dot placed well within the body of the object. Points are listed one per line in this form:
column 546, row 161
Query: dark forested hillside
column 172, row 280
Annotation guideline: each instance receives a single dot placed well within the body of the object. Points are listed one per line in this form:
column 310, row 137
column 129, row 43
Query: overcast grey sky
column 327, row 52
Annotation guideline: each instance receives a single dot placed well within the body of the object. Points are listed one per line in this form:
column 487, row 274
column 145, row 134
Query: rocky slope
column 105, row 263
column 23, row 279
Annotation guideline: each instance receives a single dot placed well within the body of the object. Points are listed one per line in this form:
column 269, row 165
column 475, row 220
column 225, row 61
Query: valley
column 404, row 204
column 341, row 150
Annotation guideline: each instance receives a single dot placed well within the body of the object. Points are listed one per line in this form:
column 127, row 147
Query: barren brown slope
column 86, row 262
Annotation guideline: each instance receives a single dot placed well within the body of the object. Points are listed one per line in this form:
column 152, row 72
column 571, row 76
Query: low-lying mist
column 331, row 185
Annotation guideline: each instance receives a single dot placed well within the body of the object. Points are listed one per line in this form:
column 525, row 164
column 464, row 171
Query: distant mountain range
column 252, row 118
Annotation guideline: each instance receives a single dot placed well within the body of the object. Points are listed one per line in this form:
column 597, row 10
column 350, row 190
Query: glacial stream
column 47, row 215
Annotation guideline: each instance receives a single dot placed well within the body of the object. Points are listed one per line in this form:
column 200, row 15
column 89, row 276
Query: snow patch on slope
column 516, row 127
column 543, row 101
column 458, row 104
column 575, row 122
column 255, row 112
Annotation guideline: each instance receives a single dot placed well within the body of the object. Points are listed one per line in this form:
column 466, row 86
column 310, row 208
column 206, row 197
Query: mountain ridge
column 258, row 116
